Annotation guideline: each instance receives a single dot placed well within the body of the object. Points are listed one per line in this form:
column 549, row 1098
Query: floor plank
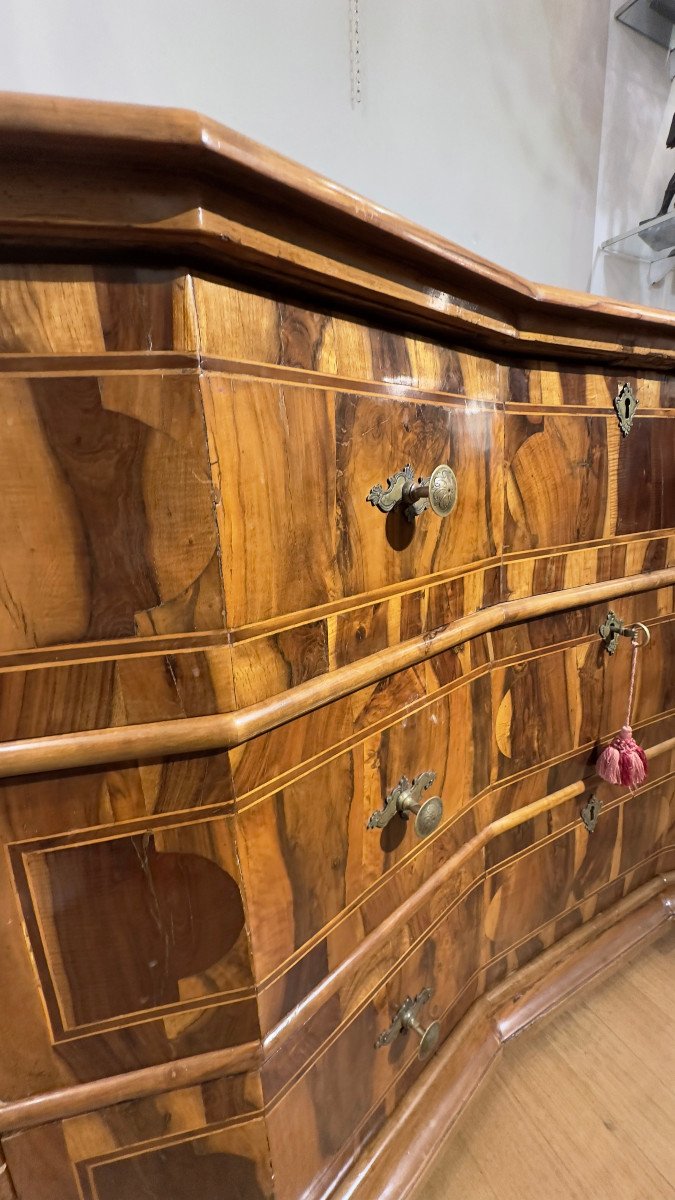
column 583, row 1106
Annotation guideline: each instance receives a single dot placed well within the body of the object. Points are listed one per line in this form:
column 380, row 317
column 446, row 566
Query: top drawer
column 306, row 412
column 295, row 467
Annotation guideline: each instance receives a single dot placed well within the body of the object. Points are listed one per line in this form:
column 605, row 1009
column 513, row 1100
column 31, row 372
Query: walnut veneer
column 217, row 659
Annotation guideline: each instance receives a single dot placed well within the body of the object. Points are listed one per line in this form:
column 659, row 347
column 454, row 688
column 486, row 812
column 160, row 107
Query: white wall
column 635, row 165
column 480, row 118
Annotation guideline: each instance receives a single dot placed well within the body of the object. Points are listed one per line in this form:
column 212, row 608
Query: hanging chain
column 354, row 53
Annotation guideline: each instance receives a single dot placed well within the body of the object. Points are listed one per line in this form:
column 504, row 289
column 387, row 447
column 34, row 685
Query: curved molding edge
column 372, row 942
column 393, row 1163
column 133, row 1085
column 223, row 731
column 322, row 236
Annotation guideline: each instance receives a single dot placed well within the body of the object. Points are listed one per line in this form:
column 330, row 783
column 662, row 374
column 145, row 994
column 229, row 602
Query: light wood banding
column 192, row 734
column 393, row 1163
column 217, row 660
column 282, row 223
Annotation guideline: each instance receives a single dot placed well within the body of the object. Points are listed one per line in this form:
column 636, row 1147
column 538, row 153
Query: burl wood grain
column 178, row 548
column 296, row 466
column 53, row 311
column 253, row 331
column 107, row 505
column 576, row 479
column 136, row 924
column 184, row 467
column 195, row 1138
column 545, row 895
column 142, row 915
column 555, row 385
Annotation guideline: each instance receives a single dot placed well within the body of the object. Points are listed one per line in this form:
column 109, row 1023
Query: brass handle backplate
column 613, row 628
column 406, row 799
column 406, row 1018
column 438, row 492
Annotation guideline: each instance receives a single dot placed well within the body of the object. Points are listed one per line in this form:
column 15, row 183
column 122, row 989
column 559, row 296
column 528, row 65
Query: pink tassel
column 623, row 762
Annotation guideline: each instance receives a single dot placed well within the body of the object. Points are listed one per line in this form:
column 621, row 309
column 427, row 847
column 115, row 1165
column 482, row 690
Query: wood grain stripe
column 393, row 1162
column 529, row 993
column 379, row 936
column 84, row 1097
column 224, row 730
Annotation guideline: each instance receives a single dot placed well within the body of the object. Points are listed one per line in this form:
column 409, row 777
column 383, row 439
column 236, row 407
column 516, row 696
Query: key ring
column 635, row 640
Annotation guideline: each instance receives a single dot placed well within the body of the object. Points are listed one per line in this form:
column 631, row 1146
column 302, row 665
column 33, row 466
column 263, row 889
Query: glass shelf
column 651, row 242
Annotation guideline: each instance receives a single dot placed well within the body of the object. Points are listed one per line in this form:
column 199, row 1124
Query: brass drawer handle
column 613, row 628
column 405, row 799
column 406, row 1018
column 438, row 492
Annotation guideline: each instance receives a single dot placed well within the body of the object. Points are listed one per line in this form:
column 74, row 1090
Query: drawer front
column 126, row 943
column 204, row 1141
column 308, row 857
column 161, row 683
column 106, row 509
column 262, row 667
column 50, row 311
column 295, row 467
column 287, row 339
column 573, row 479
column 562, row 386
column 501, row 919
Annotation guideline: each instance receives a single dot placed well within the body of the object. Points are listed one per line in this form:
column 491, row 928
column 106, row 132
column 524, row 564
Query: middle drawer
column 309, row 853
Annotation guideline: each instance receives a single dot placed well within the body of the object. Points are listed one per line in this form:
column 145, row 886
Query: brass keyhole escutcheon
column 625, row 404
column 438, row 492
column 405, row 801
column 590, row 813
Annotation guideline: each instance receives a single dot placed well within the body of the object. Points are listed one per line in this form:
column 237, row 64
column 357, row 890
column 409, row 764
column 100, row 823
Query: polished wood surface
column 227, row 731
column 395, row 1161
column 133, row 1085
column 217, row 660
column 189, row 185
column 185, row 1140
column 585, row 1104
column 6, row 1186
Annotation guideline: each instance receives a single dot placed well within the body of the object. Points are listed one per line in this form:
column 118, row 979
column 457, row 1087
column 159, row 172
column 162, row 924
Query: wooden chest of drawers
column 222, row 668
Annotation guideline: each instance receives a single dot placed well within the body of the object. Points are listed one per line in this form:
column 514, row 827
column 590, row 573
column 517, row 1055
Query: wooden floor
column 581, row 1107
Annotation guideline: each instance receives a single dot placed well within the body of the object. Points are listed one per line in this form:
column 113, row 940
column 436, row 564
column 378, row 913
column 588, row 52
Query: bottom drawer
column 288, row 1132
column 332, row 1085
column 201, row 1143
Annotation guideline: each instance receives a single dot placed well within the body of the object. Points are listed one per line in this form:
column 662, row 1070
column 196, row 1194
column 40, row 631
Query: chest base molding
column 393, row 1162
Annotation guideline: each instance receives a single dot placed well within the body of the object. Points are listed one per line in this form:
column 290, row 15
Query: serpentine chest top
column 309, row 521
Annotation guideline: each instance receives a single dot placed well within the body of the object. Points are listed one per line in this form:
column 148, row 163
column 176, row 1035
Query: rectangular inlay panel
column 106, row 509
column 125, row 925
column 216, row 1165
column 576, row 479
column 205, row 1142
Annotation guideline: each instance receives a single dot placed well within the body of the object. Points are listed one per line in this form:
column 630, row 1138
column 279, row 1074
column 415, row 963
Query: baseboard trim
column 394, row 1161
